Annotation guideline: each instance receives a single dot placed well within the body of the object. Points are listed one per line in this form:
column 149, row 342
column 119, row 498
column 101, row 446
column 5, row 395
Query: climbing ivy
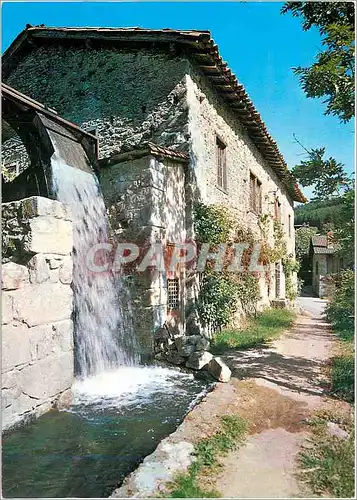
column 221, row 292
column 290, row 267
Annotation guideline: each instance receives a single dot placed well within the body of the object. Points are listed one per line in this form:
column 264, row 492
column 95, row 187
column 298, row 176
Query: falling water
column 104, row 337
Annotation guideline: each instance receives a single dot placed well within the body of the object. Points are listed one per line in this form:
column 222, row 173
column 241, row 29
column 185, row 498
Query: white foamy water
column 128, row 385
column 104, row 336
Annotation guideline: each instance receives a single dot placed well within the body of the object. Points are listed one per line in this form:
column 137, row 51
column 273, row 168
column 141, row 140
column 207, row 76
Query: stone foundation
column 37, row 329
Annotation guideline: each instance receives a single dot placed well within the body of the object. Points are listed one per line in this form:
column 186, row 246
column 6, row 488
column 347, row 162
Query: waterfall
column 104, row 336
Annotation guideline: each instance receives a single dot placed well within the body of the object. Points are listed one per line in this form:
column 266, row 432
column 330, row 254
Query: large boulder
column 198, row 360
column 219, row 370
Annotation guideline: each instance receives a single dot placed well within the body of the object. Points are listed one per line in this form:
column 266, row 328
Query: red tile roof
column 205, row 55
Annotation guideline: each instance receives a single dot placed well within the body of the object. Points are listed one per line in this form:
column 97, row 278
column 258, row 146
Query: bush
column 340, row 311
column 342, row 375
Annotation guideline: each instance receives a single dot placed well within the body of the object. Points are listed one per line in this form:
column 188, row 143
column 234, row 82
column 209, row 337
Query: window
column 289, row 222
column 317, row 268
column 173, row 293
column 278, row 210
column 255, row 194
column 221, row 164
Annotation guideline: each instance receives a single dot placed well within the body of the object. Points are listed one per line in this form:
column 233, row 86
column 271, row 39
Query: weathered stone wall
column 209, row 117
column 14, row 157
column 128, row 96
column 37, row 330
column 145, row 200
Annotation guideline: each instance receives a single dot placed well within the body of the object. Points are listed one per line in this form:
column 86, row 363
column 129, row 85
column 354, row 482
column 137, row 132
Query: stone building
column 325, row 261
column 174, row 126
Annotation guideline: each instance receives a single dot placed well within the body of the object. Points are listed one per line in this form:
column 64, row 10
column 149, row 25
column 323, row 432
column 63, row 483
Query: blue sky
column 260, row 45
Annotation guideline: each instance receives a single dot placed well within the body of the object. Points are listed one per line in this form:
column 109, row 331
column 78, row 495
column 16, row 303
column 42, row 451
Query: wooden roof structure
column 202, row 51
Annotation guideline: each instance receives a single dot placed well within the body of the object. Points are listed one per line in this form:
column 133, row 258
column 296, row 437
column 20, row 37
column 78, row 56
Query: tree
column 327, row 176
column 332, row 74
column 302, row 241
column 344, row 233
column 321, row 214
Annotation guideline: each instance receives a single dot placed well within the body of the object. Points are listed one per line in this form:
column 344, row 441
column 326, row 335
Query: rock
column 65, row 400
column 13, row 276
column 48, row 377
column 15, row 346
column 199, row 360
column 184, row 347
column 51, row 338
column 188, row 345
column 49, row 235
column 202, row 344
column 335, row 430
column 66, row 271
column 6, row 308
column 37, row 206
column 38, row 269
column 161, row 334
column 219, row 370
column 174, row 358
column 44, row 303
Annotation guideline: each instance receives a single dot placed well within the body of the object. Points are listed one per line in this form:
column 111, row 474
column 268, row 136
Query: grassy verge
column 327, row 462
column 343, row 366
column 207, row 453
column 266, row 326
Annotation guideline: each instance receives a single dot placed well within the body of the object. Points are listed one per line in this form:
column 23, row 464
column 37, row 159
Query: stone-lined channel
column 87, row 450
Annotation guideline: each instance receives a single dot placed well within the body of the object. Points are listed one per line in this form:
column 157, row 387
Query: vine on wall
column 222, row 292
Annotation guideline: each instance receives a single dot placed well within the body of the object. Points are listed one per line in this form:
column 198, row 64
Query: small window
column 173, row 293
column 289, row 222
column 221, row 164
column 317, row 268
column 278, row 210
column 255, row 194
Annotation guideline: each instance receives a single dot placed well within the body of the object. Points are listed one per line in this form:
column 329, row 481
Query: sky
column 260, row 45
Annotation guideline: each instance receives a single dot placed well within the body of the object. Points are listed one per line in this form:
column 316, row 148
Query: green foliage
column 291, row 266
column 213, row 223
column 331, row 76
column 220, row 291
column 327, row 462
column 266, row 326
column 343, row 375
column 302, row 241
column 344, row 231
column 341, row 309
column 340, row 312
column 207, row 451
column 279, row 250
column 248, row 292
column 327, row 176
column 319, row 213
column 217, row 300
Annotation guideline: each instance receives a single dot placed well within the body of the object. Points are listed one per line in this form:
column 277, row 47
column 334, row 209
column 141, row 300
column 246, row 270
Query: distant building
column 325, row 261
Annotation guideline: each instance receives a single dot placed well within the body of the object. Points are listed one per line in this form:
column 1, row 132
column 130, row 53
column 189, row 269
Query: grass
column 266, row 326
column 327, row 462
column 207, row 453
column 343, row 367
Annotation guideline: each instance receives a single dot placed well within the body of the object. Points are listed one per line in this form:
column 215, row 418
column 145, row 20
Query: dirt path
column 285, row 383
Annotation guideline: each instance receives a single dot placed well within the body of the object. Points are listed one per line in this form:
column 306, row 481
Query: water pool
column 116, row 420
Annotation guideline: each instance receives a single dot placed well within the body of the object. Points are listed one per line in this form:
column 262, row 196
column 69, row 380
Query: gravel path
column 291, row 371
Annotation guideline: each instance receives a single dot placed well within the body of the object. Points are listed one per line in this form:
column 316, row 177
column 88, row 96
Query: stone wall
column 128, row 96
column 146, row 205
column 210, row 117
column 37, row 329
